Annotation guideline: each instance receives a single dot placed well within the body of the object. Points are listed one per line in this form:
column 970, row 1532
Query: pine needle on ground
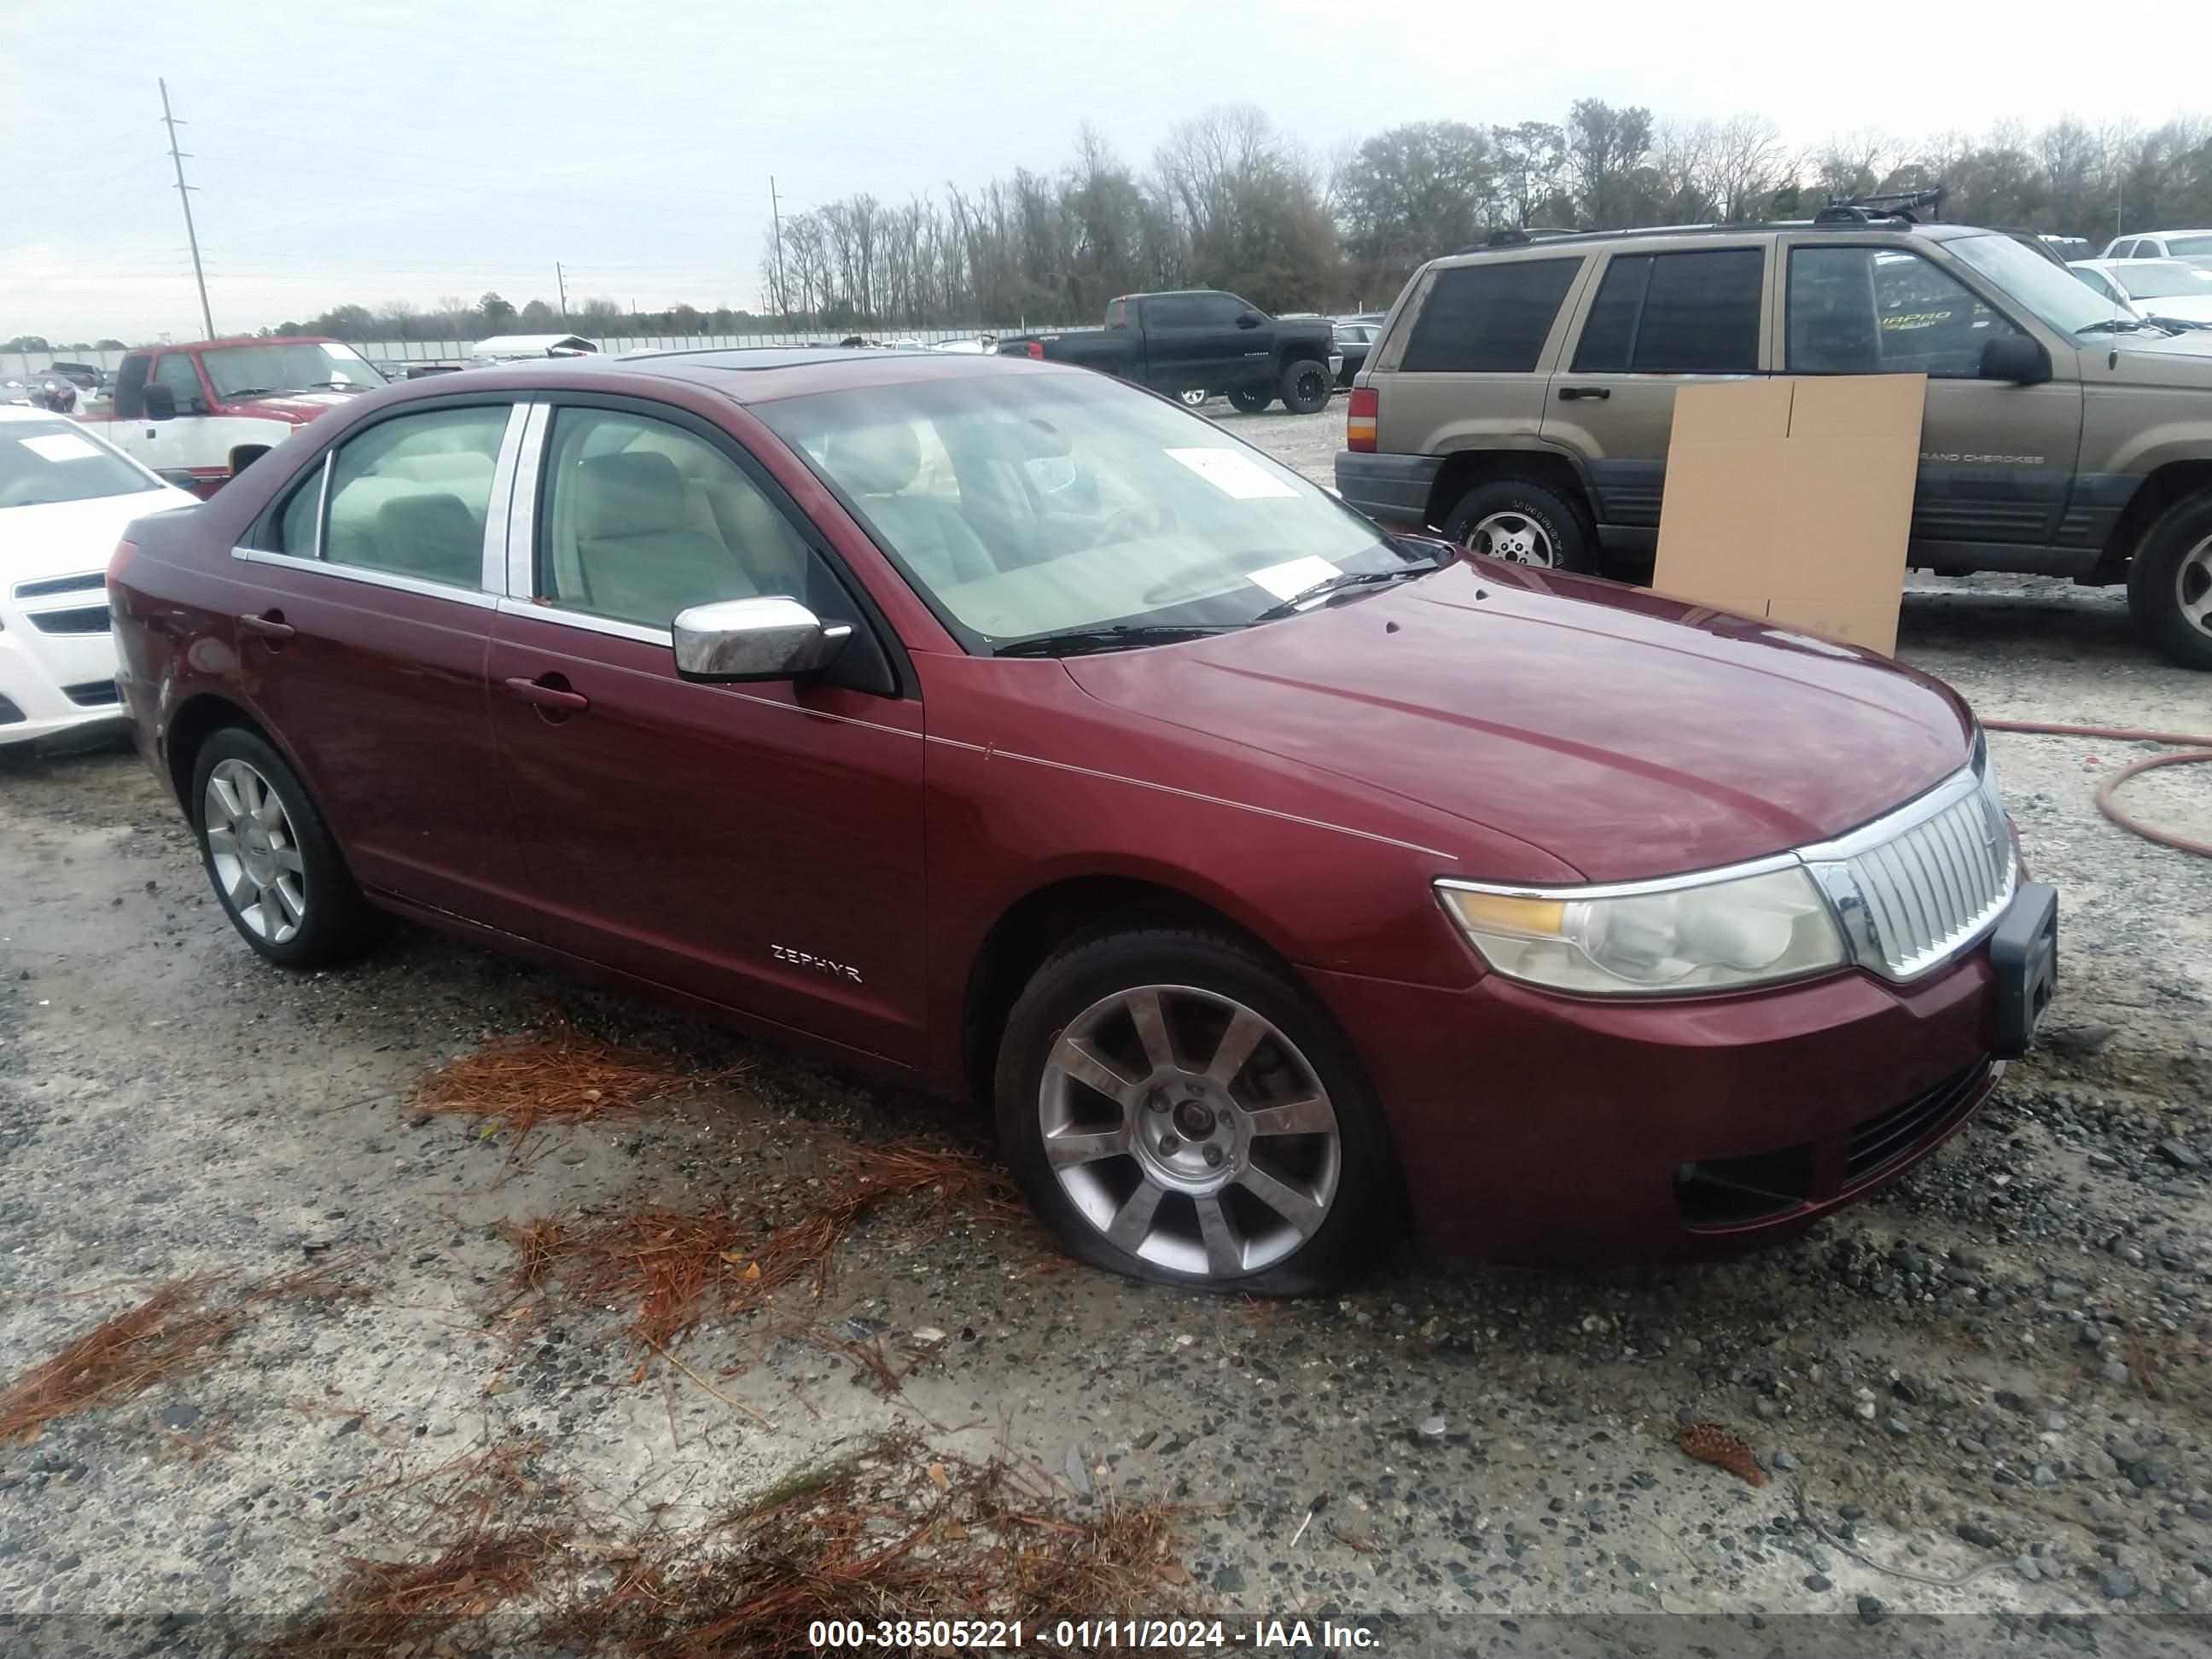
column 519, row 1083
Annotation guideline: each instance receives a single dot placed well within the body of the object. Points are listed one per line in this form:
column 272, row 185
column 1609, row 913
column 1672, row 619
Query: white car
column 64, row 498
column 2152, row 288
column 2161, row 244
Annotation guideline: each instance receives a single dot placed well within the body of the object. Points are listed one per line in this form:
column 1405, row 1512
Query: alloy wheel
column 1514, row 537
column 255, row 852
column 1189, row 1131
column 2193, row 587
column 1193, row 398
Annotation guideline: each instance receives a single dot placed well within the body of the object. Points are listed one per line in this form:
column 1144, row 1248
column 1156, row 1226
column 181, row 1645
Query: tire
column 1524, row 522
column 2170, row 582
column 1252, row 402
column 1194, row 398
column 290, row 865
column 1165, row 1186
column 1305, row 386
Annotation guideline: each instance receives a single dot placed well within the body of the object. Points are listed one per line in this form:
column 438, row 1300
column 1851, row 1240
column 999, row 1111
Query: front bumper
column 1534, row 1129
column 54, row 685
column 1393, row 489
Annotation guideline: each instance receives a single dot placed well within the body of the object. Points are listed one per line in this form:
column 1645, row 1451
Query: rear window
column 2189, row 245
column 1676, row 313
column 1488, row 318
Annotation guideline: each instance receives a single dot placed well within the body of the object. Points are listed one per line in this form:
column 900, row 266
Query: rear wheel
column 2170, row 582
column 1252, row 402
column 274, row 868
column 1305, row 386
column 1177, row 1110
column 1523, row 523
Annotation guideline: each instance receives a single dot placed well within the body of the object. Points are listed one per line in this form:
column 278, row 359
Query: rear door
column 1997, row 459
column 1651, row 324
column 1470, row 372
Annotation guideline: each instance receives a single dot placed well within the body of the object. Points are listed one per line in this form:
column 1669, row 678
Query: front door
column 363, row 618
column 1997, row 459
column 760, row 844
column 1654, row 323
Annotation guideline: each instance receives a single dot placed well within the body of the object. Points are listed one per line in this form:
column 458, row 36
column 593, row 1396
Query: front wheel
column 1251, row 402
column 1177, row 1110
column 1305, row 386
column 1194, row 398
column 2170, row 582
column 1523, row 523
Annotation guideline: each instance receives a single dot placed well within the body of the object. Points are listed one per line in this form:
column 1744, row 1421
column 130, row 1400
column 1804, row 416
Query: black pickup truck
column 1197, row 342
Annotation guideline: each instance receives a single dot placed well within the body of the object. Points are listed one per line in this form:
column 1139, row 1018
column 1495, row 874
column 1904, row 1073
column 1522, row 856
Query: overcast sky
column 372, row 150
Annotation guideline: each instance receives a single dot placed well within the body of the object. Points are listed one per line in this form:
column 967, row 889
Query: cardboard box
column 1792, row 500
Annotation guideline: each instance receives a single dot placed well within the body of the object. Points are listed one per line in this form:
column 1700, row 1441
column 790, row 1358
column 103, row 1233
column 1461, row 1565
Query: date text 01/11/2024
column 1165, row 1635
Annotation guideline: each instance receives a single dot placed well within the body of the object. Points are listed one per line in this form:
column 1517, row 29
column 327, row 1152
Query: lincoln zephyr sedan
column 1008, row 731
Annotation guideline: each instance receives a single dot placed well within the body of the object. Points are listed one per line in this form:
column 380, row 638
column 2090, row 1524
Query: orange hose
column 2199, row 749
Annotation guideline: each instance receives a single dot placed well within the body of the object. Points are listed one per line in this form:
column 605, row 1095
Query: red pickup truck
column 200, row 414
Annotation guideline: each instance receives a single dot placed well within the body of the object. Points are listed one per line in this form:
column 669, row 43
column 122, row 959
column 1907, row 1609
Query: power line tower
column 184, row 195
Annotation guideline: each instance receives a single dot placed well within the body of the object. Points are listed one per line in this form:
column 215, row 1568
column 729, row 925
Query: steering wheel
column 1130, row 523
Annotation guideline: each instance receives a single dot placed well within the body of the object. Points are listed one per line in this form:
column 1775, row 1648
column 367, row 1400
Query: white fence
column 22, row 365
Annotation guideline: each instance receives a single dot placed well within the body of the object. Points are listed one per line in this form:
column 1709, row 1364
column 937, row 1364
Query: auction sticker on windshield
column 59, row 447
column 1232, row 473
column 1293, row 576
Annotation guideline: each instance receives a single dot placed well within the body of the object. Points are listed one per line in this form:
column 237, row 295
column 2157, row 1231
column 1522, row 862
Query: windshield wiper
column 2113, row 325
column 1075, row 641
column 1340, row 583
column 248, row 391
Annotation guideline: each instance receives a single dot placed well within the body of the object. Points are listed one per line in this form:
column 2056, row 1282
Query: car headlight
column 1653, row 938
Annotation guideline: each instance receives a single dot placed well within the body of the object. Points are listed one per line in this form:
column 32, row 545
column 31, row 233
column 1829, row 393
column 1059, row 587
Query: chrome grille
column 1917, row 887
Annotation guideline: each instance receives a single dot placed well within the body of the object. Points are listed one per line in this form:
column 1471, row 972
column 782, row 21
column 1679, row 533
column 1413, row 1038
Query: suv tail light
column 1035, row 348
column 1360, row 419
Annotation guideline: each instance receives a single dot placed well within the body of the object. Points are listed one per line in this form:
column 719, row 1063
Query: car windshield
column 2053, row 293
column 2188, row 244
column 1025, row 505
column 2165, row 279
column 43, row 461
column 282, row 366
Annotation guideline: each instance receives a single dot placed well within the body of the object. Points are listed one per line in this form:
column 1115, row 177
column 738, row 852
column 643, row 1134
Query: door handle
column 269, row 625
column 1569, row 394
column 548, row 696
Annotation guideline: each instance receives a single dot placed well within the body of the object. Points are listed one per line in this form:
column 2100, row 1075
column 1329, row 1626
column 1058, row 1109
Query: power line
column 184, row 195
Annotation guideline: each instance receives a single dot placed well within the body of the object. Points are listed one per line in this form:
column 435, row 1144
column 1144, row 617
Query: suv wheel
column 1305, row 386
column 1523, row 523
column 274, row 866
column 2170, row 582
column 1252, row 402
column 1193, row 397
column 1178, row 1110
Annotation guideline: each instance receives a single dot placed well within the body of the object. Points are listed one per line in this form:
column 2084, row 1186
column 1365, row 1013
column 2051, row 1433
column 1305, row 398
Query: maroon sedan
column 1011, row 732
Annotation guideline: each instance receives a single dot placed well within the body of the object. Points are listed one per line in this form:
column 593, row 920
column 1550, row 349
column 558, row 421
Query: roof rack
column 1903, row 206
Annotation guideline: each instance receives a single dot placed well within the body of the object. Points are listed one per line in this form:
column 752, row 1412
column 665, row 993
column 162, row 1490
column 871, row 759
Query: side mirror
column 765, row 639
column 2016, row 358
column 160, row 403
column 1249, row 319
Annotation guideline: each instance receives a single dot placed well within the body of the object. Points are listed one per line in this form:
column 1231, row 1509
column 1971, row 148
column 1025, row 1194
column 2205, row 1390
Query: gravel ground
column 1995, row 1373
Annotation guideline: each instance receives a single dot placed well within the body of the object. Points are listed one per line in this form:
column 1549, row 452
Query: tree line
column 1230, row 200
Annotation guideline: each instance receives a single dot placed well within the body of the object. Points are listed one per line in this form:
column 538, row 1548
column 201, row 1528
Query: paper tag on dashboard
column 1293, row 576
column 59, row 446
column 1233, row 473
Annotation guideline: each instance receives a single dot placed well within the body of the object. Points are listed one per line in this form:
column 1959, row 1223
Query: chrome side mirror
column 774, row 638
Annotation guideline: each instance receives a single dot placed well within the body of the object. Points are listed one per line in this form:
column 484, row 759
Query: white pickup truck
column 201, row 413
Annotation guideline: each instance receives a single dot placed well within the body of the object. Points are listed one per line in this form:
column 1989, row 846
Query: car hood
column 1625, row 734
column 2182, row 360
column 2195, row 307
column 296, row 407
column 64, row 538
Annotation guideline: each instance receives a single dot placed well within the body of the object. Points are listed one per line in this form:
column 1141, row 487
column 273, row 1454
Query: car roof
column 752, row 374
column 1537, row 242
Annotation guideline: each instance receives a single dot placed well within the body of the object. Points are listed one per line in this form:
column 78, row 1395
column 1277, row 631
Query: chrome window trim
column 323, row 500
column 1829, row 865
column 353, row 573
column 492, row 575
column 521, row 555
column 512, row 606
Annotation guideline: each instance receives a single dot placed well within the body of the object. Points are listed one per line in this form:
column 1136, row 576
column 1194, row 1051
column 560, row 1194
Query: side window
column 1488, row 318
column 1220, row 310
column 176, row 371
column 1173, row 311
column 1675, row 313
column 644, row 520
column 299, row 523
column 410, row 496
column 1884, row 310
column 130, row 388
column 1117, row 314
